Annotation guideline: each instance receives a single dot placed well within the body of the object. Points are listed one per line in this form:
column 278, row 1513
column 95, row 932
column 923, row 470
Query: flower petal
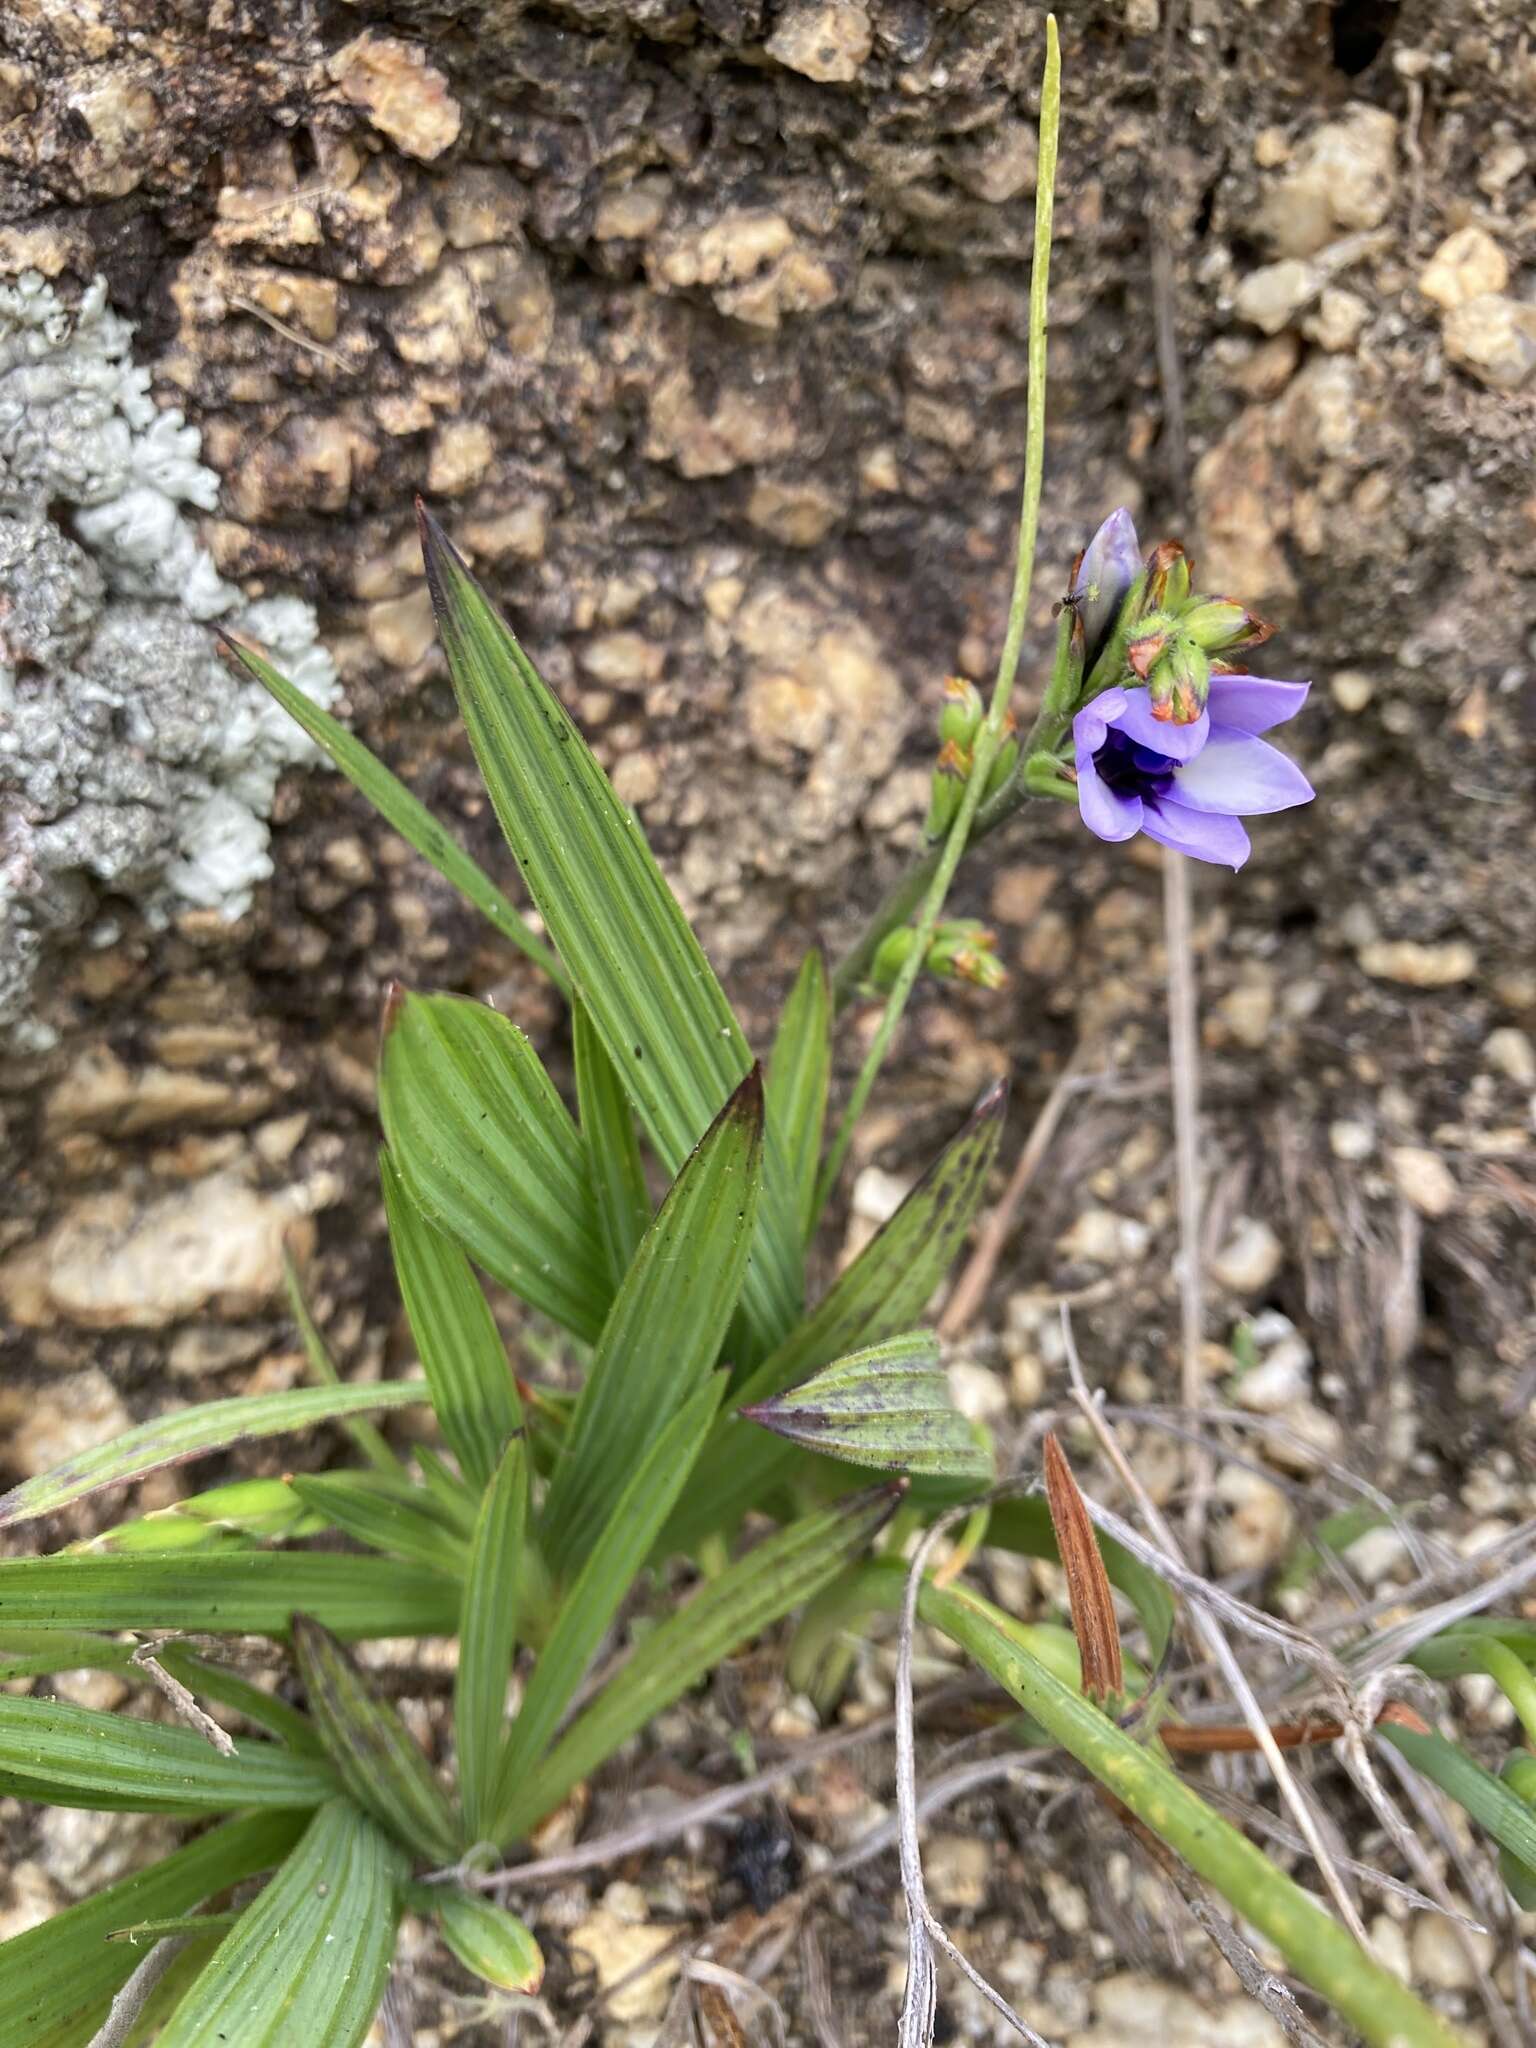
column 1240, row 776
column 1104, row 811
column 1110, row 565
column 1175, row 742
column 1201, row 834
column 1253, row 704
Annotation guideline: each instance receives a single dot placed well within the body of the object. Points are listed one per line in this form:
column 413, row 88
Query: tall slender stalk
column 932, row 886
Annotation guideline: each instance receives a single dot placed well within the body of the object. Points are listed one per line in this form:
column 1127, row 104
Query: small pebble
column 1509, row 1051
column 1351, row 1141
column 1423, row 1179
column 1250, row 1258
column 1352, row 690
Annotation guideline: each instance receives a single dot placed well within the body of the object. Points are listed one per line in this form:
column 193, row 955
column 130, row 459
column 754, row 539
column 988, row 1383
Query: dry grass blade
column 818, row 1990
column 1092, row 1603
column 186, row 1706
column 924, row 1932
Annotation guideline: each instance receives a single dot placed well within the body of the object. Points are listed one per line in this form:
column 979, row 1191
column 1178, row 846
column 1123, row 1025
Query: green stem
column 1453, row 1654
column 933, row 891
column 1319, row 1951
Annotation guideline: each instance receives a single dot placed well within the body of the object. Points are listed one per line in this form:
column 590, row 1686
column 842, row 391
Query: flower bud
column 1217, row 623
column 951, row 772
column 964, row 950
column 1180, row 682
column 894, row 951
column 1170, row 574
column 960, row 719
column 1004, row 767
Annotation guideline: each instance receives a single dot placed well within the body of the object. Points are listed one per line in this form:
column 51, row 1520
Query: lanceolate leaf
column 782, row 1572
column 1088, row 1595
column 244, row 1593
column 36, row 1652
column 613, row 1146
column 488, row 1939
column 390, row 1515
column 589, row 1604
column 487, row 1632
column 410, row 817
column 665, row 1328
column 881, row 1293
column 73, row 1756
column 67, row 1964
column 488, row 1152
column 888, row 1405
column 371, row 1747
column 307, row 1960
column 798, row 1073
column 474, row 1395
column 189, row 1433
column 632, row 958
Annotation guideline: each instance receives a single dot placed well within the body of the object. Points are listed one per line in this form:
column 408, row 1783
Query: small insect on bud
column 960, row 719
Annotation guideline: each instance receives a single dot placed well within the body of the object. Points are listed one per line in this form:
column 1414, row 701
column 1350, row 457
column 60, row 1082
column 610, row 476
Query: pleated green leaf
column 243, row 1593
column 488, row 1153
column 783, row 1571
column 666, row 1325
column 65, row 1755
column 888, row 1405
column 390, row 1515
column 613, row 1146
column 488, row 1940
column 632, row 957
column 67, row 1965
column 375, row 1753
column 799, row 1070
column 396, row 806
column 474, row 1395
column 487, row 1635
column 883, row 1292
column 589, row 1604
column 189, row 1433
column 307, row 1960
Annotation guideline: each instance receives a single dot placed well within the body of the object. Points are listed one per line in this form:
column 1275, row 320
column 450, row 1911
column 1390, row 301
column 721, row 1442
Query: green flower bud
column 951, row 772
column 1003, row 769
column 960, row 719
column 1170, row 574
column 1180, row 682
column 964, row 950
column 894, row 952
column 1217, row 623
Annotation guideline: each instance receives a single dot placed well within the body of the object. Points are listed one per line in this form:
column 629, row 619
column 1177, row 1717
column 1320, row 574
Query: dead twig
column 128, row 2005
column 186, row 1706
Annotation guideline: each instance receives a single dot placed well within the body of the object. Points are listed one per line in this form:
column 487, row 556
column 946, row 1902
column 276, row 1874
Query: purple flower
column 1187, row 786
column 1105, row 571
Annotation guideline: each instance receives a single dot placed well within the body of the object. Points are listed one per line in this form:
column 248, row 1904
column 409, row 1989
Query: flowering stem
column 929, row 881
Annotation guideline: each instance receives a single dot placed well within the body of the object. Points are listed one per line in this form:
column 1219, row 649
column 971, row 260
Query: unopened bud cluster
column 1172, row 638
